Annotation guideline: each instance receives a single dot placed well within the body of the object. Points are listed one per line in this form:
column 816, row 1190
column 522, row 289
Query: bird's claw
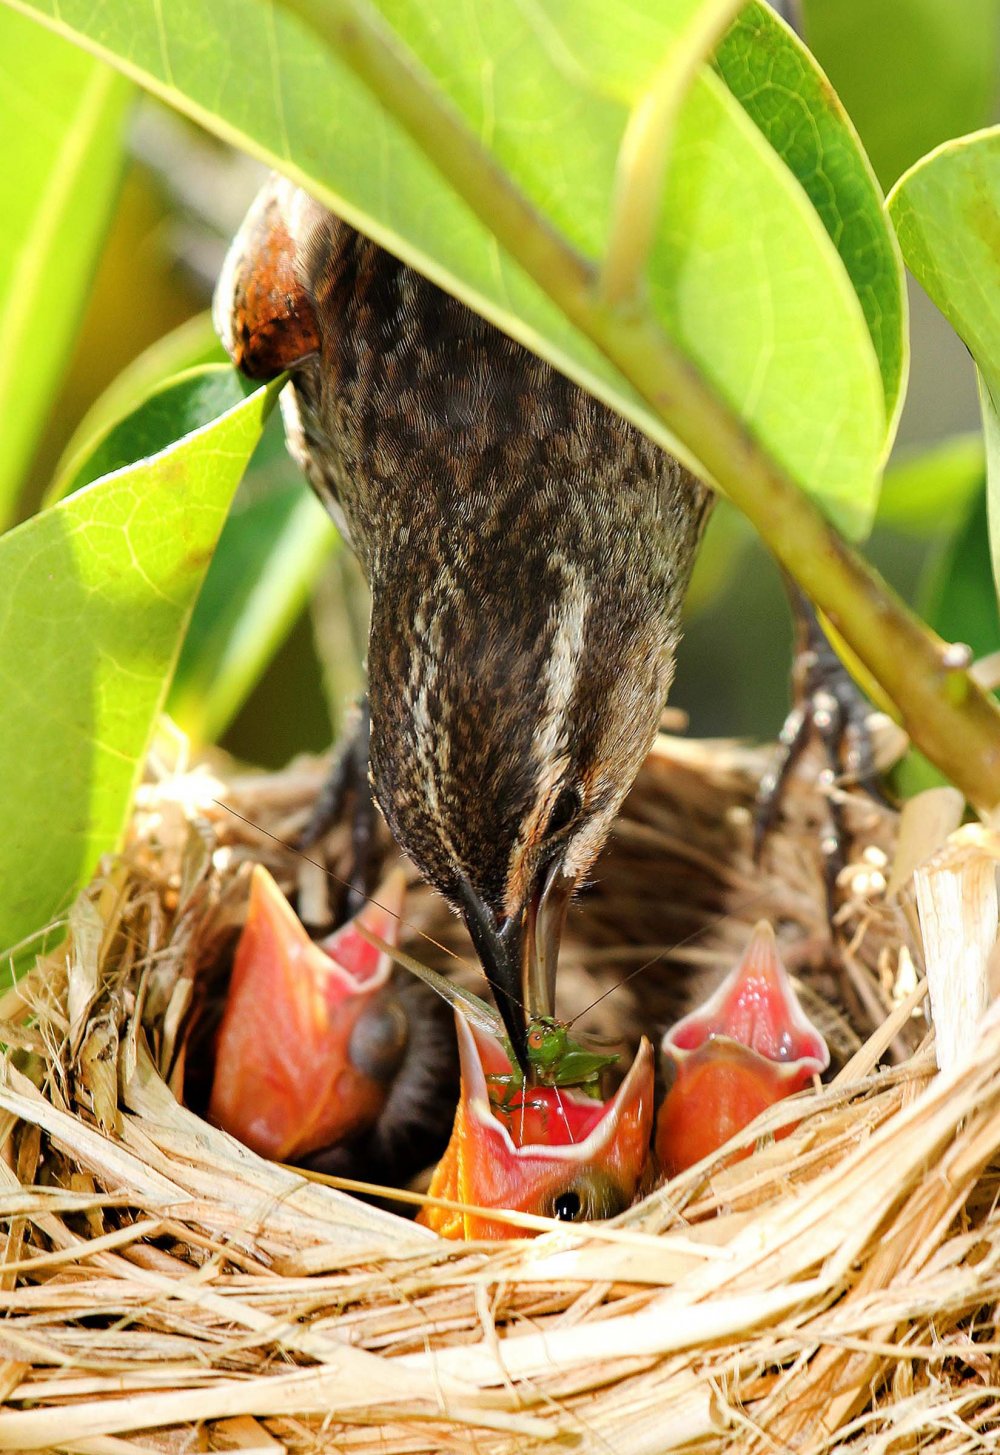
column 828, row 707
column 347, row 779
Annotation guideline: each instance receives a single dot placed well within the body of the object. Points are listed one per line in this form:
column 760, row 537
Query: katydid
column 555, row 1058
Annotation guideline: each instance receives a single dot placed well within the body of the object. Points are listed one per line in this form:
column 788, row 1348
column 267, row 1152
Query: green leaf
column 192, row 343
column 912, row 73
column 989, row 395
column 61, row 118
column 172, row 410
column 272, row 546
column 271, row 551
column 946, row 211
column 727, row 537
column 744, row 276
column 781, row 87
column 931, row 493
column 957, row 597
column 95, row 594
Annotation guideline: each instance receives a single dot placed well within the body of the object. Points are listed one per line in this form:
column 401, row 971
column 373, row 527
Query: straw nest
column 165, row 1289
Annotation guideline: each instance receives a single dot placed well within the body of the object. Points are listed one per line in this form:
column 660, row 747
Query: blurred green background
column 911, row 73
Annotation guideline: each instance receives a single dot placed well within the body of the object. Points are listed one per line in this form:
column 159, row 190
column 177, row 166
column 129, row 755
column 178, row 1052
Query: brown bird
column 527, row 551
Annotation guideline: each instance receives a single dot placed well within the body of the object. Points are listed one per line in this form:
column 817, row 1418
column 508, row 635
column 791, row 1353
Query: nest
column 166, row 1289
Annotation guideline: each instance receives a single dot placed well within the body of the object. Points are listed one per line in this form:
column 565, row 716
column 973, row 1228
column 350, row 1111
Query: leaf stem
column 947, row 715
column 364, row 41
column 641, row 168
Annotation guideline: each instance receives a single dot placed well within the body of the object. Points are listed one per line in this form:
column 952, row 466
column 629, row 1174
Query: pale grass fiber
column 165, row 1289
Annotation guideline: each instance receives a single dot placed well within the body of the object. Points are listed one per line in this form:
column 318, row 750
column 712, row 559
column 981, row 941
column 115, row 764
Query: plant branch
column 947, row 715
column 640, row 173
column 369, row 47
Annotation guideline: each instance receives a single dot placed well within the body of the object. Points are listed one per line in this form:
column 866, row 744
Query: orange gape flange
column 545, row 1150
column 287, row 1074
column 748, row 1046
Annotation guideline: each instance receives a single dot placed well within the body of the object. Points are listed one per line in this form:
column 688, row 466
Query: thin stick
column 945, row 712
column 531, row 1221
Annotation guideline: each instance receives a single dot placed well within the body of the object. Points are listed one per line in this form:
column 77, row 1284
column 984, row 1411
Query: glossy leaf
column 912, row 73
column 946, row 211
column 95, row 594
column 989, row 398
column 172, row 410
column 744, row 275
column 719, row 557
column 929, row 493
column 61, row 118
column 777, row 81
column 273, row 546
column 191, row 344
column 957, row 596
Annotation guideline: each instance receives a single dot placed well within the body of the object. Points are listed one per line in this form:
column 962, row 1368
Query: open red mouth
column 309, row 1039
column 748, row 1046
column 547, row 1150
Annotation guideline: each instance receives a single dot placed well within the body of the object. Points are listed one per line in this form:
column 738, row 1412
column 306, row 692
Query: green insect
column 511, row 1093
column 555, row 1058
column 558, row 1060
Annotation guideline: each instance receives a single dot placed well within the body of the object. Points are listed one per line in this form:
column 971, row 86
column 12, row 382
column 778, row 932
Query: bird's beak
column 310, row 1036
column 545, row 919
column 520, row 953
column 748, row 1046
column 499, row 947
column 543, row 1149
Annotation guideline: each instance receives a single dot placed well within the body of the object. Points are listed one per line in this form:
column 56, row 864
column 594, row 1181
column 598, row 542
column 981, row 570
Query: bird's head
column 313, row 1035
column 507, row 726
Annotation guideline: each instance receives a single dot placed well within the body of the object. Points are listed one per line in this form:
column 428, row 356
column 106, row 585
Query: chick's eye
column 379, row 1039
column 564, row 811
column 594, row 1194
column 567, row 1206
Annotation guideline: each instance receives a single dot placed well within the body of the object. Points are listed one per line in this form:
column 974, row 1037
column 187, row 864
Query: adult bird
column 527, row 550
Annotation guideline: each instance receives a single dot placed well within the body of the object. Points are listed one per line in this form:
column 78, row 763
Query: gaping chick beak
column 544, row 1150
column 309, row 1040
column 748, row 1046
column 520, row 954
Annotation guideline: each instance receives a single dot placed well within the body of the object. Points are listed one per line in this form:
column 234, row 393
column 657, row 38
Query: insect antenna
column 562, row 1109
column 344, row 883
column 720, row 919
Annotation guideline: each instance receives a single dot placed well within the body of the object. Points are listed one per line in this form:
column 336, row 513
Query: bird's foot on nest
column 830, row 707
column 348, row 781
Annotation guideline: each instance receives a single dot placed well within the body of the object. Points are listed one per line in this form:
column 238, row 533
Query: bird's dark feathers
column 527, row 551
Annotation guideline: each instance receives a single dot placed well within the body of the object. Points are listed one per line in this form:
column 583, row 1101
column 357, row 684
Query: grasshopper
column 558, row 1060
column 555, row 1058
